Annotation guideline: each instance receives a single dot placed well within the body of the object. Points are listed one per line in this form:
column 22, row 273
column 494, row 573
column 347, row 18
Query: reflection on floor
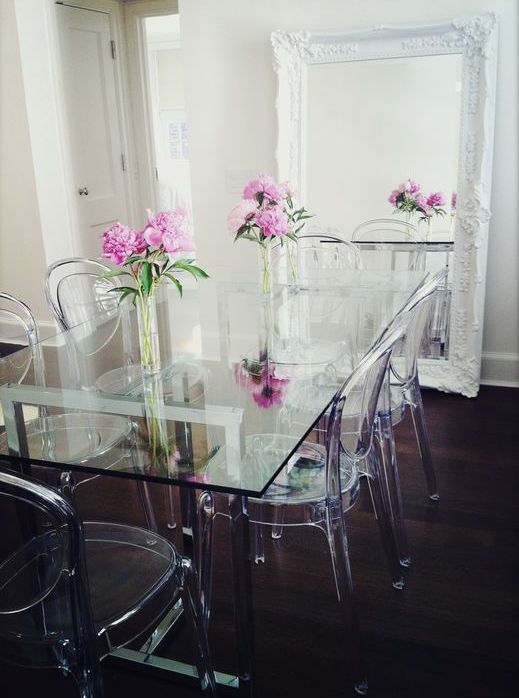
column 452, row 633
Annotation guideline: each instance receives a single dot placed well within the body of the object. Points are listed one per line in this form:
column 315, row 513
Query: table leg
column 243, row 606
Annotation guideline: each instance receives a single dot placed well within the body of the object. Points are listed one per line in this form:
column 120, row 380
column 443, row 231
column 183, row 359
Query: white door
column 94, row 134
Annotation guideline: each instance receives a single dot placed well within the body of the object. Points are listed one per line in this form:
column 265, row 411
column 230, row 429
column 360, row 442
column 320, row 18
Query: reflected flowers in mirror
column 261, row 378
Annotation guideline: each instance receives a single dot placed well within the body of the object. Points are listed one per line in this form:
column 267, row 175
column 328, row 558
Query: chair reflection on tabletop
column 69, row 591
column 78, row 293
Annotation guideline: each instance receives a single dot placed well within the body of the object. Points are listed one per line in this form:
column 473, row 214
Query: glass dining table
column 238, row 370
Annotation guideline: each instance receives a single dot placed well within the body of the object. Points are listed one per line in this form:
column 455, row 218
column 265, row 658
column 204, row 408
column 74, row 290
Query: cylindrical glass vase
column 148, row 334
column 265, row 269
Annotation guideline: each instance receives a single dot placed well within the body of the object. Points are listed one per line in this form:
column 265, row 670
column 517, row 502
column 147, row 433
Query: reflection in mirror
column 373, row 124
column 364, row 113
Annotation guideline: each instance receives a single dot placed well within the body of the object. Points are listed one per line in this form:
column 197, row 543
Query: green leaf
column 111, row 274
column 176, row 282
column 195, row 271
column 146, row 277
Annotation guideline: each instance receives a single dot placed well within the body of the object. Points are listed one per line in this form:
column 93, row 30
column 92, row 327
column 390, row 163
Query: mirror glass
column 369, row 125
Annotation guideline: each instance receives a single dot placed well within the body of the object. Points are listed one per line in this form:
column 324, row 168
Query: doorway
column 167, row 112
column 93, row 123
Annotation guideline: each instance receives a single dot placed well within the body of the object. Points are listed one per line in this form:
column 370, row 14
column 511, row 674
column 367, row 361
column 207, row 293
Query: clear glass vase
column 148, row 334
column 265, row 270
column 161, row 451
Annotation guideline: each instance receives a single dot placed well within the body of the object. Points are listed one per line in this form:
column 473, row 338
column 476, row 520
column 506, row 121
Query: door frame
column 44, row 95
column 137, row 65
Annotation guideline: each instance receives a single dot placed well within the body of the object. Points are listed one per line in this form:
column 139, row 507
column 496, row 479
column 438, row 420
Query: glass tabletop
column 239, row 373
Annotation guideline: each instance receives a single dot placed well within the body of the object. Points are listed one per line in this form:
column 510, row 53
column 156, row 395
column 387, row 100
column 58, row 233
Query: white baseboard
column 500, row 369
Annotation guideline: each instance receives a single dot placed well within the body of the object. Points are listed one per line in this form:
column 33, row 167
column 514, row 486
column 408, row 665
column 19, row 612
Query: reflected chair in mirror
column 70, row 437
column 77, row 292
column 71, row 593
column 435, row 342
column 321, row 256
column 318, row 486
column 327, row 248
column 384, row 244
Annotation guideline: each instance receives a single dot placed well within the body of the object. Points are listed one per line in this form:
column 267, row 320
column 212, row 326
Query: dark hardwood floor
column 451, row 633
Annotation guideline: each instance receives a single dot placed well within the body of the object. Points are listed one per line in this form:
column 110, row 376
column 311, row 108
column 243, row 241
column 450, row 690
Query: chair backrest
column 19, row 329
column 78, row 294
column 76, row 291
column 381, row 242
column 357, row 401
column 45, row 613
column 404, row 361
column 327, row 249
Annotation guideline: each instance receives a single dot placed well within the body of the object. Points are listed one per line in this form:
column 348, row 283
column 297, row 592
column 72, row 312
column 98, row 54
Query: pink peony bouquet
column 265, row 214
column 260, row 379
column 152, row 254
column 409, row 199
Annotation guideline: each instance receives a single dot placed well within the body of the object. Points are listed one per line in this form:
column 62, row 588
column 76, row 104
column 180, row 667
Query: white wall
column 372, row 124
column 22, row 262
column 230, row 95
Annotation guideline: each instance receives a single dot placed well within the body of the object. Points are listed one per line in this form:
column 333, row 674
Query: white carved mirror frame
column 475, row 39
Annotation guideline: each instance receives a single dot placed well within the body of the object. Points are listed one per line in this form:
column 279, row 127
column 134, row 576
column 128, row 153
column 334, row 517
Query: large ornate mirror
column 361, row 112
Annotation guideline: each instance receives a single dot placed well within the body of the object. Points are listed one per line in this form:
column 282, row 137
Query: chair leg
column 204, row 543
column 171, row 523
column 88, row 681
column 194, row 615
column 385, row 519
column 422, row 437
column 143, row 490
column 258, row 537
column 279, row 517
column 335, row 532
column 390, row 480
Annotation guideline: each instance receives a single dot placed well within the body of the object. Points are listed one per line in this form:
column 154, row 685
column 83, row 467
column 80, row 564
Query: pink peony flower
column 454, row 200
column 394, row 196
column 436, row 199
column 120, row 243
column 287, row 190
column 421, row 201
column 273, row 222
column 409, row 187
column 272, row 392
column 176, row 244
column 242, row 213
column 263, row 184
column 169, row 229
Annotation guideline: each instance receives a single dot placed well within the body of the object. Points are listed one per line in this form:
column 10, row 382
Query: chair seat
column 73, row 437
column 125, row 564
column 302, row 479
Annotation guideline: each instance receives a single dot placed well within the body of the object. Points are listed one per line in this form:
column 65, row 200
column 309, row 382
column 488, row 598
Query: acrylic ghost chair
column 70, row 593
column 396, row 231
column 77, row 292
column 384, row 244
column 402, row 391
column 319, row 484
column 71, row 437
column 322, row 254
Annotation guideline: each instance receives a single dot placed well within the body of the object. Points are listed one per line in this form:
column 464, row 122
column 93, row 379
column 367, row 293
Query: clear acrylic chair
column 76, row 293
column 435, row 341
column 70, row 593
column 402, row 391
column 71, row 437
column 326, row 248
column 318, row 485
column 381, row 243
